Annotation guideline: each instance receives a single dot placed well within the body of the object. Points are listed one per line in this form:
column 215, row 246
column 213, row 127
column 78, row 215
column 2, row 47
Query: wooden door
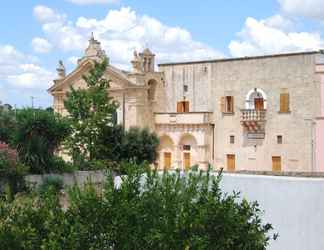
column 276, row 163
column 231, row 163
column 186, row 160
column 167, row 160
column 258, row 103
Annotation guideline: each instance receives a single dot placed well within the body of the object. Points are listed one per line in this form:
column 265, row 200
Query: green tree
column 139, row 145
column 7, row 124
column 37, row 136
column 91, row 113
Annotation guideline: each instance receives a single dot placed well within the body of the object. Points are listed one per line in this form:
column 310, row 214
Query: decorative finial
column 137, row 63
column 61, row 69
column 92, row 37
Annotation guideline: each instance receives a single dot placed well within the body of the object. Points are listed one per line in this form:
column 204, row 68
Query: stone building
column 251, row 113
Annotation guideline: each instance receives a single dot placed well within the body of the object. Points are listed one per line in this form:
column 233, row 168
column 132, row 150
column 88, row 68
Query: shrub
column 38, row 135
column 146, row 211
column 51, row 182
column 11, row 172
column 139, row 145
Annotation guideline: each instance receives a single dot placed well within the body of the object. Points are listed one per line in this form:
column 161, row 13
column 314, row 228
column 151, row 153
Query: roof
column 242, row 58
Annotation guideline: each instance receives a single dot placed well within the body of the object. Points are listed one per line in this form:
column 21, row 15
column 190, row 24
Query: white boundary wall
column 293, row 205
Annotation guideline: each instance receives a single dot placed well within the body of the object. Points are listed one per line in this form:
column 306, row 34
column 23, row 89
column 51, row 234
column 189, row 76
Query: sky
column 36, row 34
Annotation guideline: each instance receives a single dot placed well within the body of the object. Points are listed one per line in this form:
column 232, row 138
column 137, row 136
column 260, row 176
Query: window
column 185, row 88
column 227, row 104
column 279, row 139
column 284, row 103
column 186, row 147
column 183, row 107
column 232, row 139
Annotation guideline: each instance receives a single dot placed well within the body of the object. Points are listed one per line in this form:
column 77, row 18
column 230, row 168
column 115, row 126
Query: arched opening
column 152, row 84
column 256, row 99
column 166, row 152
column 188, row 145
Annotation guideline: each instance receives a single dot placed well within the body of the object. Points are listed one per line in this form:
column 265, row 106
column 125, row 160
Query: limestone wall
column 209, row 81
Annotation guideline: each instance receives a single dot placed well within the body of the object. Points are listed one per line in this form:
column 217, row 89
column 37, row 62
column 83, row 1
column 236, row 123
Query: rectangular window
column 185, row 88
column 284, row 103
column 232, row 139
column 279, row 139
column 227, row 104
column 183, row 107
column 186, row 147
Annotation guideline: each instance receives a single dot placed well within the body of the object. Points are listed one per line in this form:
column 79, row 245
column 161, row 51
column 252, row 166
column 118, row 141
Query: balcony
column 184, row 118
column 253, row 120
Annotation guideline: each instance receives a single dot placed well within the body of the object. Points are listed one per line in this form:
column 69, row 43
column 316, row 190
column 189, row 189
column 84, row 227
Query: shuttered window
column 227, row 104
column 183, row 107
column 284, row 103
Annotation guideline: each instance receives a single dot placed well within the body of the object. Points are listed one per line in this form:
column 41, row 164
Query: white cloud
column 41, row 45
column 266, row 37
column 306, row 8
column 21, row 71
column 120, row 32
column 88, row 2
column 73, row 60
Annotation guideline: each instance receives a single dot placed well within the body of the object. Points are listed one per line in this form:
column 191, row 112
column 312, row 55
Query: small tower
column 61, row 70
column 148, row 59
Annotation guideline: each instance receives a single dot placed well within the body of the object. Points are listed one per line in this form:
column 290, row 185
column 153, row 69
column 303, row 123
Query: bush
column 11, row 172
column 51, row 182
column 139, row 145
column 38, row 135
column 146, row 211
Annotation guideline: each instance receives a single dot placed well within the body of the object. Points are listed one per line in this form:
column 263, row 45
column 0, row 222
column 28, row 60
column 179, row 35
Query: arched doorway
column 256, row 99
column 188, row 146
column 166, row 152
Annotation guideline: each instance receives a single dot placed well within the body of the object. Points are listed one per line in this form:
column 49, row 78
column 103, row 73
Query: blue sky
column 36, row 34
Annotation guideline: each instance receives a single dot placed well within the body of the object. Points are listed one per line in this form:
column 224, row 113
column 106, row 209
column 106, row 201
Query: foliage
column 7, row 124
column 91, row 112
column 38, row 135
column 136, row 145
column 139, row 145
column 54, row 182
column 11, row 172
column 146, row 211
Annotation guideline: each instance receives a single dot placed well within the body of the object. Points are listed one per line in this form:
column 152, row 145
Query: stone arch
column 189, row 150
column 166, row 149
column 151, row 92
column 255, row 93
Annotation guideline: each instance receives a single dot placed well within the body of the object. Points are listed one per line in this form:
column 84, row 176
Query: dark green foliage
column 11, row 173
column 91, row 112
column 139, row 145
column 51, row 182
column 136, row 145
column 38, row 135
column 7, row 125
column 147, row 211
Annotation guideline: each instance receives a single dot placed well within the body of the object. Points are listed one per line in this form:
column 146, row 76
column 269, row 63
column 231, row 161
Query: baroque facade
column 254, row 113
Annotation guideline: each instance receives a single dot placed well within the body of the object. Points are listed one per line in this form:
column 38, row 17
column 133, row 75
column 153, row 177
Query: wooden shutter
column 284, row 102
column 179, row 107
column 230, row 162
column 276, row 163
column 222, row 104
column 186, row 106
column 167, row 160
column 186, row 158
column 230, row 104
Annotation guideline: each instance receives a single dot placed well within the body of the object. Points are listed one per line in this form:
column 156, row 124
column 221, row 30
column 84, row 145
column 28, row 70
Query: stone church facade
column 254, row 113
